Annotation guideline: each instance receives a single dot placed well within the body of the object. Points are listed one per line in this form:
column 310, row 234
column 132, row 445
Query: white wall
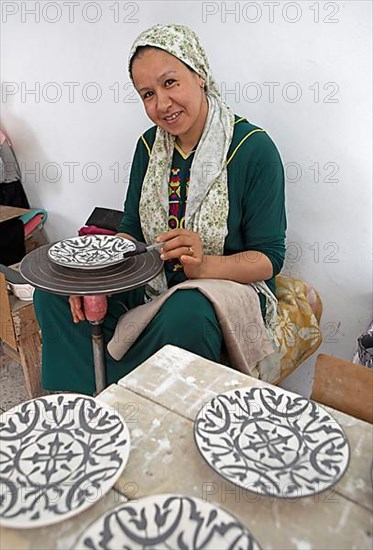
column 323, row 45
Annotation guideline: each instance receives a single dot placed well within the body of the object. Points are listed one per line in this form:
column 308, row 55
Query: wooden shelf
column 20, row 336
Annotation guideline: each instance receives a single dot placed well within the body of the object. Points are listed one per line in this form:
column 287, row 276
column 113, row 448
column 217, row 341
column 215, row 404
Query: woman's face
column 173, row 95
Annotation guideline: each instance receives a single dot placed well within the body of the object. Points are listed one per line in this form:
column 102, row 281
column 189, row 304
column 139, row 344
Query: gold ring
column 190, row 251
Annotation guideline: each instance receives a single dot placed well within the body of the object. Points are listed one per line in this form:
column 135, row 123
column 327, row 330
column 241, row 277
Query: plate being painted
column 90, row 251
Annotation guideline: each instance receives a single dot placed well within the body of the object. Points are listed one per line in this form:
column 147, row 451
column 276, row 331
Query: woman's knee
column 55, row 319
column 45, row 301
column 190, row 311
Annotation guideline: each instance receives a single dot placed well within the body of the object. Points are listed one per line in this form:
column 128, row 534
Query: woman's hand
column 76, row 306
column 185, row 246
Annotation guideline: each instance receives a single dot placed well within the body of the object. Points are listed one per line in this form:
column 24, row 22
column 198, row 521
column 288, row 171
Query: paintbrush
column 141, row 248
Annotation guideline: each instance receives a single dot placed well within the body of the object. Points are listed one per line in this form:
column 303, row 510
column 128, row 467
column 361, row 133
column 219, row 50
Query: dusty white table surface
column 159, row 401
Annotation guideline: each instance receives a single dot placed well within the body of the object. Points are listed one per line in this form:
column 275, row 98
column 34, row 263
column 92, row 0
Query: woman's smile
column 171, row 119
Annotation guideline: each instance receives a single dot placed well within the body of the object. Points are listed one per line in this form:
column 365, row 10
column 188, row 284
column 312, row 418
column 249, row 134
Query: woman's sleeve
column 264, row 217
column 131, row 219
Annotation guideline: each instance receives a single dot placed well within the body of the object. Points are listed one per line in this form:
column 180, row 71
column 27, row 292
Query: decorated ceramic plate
column 58, row 455
column 272, row 442
column 90, row 251
column 166, row 521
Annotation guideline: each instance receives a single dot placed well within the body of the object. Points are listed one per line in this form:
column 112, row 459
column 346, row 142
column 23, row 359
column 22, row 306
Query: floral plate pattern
column 166, row 521
column 59, row 454
column 90, row 251
column 272, row 442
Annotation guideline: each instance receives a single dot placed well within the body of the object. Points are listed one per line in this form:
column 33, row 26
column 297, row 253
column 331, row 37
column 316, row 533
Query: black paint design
column 167, row 522
column 58, row 455
column 90, row 251
column 271, row 442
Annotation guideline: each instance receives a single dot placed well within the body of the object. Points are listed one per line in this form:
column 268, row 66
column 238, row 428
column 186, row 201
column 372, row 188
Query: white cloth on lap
column 237, row 308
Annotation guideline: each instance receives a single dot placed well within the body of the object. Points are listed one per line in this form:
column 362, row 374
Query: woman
column 207, row 184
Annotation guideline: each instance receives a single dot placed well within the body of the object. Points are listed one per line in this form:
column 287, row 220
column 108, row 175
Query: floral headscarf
column 207, row 205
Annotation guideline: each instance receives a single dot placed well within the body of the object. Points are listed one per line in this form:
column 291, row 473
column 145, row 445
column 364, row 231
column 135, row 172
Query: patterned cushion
column 297, row 331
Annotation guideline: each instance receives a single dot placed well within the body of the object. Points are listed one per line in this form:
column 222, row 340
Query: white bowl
column 23, row 292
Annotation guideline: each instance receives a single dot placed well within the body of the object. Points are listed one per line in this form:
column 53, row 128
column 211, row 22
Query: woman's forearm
column 244, row 267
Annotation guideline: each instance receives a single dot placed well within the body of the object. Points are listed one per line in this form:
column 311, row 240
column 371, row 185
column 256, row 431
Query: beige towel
column 237, row 308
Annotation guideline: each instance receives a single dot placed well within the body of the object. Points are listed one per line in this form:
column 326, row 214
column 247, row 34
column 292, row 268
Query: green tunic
column 256, row 221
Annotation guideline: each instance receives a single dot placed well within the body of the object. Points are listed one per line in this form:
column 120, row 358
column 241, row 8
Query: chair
column 344, row 386
column 298, row 324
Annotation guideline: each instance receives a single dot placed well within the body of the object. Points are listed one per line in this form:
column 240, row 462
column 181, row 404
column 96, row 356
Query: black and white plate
column 272, row 442
column 167, row 521
column 90, row 251
column 58, row 455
